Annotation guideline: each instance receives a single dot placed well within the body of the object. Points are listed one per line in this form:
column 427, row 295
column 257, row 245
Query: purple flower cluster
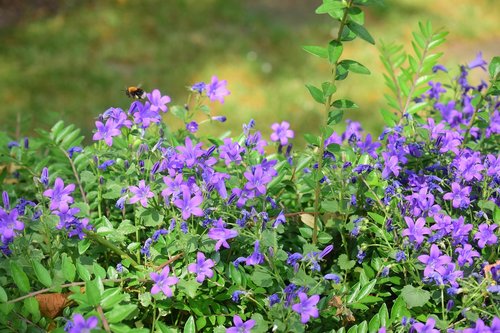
column 60, row 201
column 9, row 223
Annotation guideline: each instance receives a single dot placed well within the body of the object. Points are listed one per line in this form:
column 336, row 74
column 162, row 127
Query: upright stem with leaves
column 351, row 19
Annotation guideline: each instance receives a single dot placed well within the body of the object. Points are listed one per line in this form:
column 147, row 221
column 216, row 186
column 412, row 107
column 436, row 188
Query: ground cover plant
column 154, row 229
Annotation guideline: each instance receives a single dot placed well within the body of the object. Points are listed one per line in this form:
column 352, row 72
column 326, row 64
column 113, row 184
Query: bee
column 135, row 92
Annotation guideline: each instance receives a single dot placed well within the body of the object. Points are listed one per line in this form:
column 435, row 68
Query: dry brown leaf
column 51, row 305
column 308, row 219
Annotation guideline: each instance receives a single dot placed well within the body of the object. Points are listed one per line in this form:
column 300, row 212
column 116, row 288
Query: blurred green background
column 72, row 59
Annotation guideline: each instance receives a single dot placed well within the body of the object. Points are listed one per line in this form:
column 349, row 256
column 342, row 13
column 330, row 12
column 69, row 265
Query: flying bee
column 135, row 92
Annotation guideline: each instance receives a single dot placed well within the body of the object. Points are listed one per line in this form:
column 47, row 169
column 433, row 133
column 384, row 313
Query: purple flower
column 391, row 165
column 240, row 326
column 333, row 277
column 174, row 186
column 192, row 126
column 221, row 234
column 231, row 151
column 141, row 193
column 118, row 116
column 106, row 164
column 449, row 274
column 274, row 299
column 71, row 223
column 44, row 178
column 216, row 90
column 144, row 115
column 486, row 235
column 199, row 87
column 257, row 180
column 163, row 282
column 106, row 132
column 416, row 230
column 306, row 307
column 478, row 62
column 9, row 225
column 459, row 195
column 73, row 150
column 202, row 267
column 466, row 255
column 280, row 219
column 428, row 327
column 158, row 101
column 437, row 68
column 236, row 295
column 80, row 325
column 470, row 167
column 190, row 154
column 189, row 205
column 434, row 260
column 60, row 196
column 281, row 132
column 369, row 147
column 256, row 258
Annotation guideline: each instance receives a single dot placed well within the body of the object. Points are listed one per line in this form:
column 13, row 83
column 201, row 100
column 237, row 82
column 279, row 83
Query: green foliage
column 162, row 230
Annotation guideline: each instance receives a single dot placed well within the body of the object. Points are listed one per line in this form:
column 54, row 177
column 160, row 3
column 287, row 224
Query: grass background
column 73, row 60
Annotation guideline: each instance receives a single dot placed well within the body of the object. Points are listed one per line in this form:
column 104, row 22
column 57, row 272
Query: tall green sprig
column 408, row 75
column 351, row 19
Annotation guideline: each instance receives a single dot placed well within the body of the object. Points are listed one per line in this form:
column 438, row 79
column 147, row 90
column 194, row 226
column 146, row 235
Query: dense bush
column 152, row 229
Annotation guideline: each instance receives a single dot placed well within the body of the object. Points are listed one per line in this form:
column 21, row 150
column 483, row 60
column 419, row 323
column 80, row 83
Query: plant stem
column 92, row 235
column 75, row 173
column 328, row 102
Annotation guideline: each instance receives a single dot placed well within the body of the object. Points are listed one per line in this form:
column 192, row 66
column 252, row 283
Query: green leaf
column 415, row 296
column 99, row 270
column 344, row 263
column 353, row 66
column 494, row 67
column 324, row 238
column 344, row 104
column 329, row 7
column 190, row 327
column 374, row 324
column 119, row 313
column 399, row 309
column 335, row 49
column 316, row 93
column 235, row 275
column 361, row 32
column 93, row 293
column 383, row 315
column 82, row 272
column 3, row 295
column 363, row 327
column 189, row 287
column 318, row 51
column 31, row 304
column 83, row 246
column 262, row 278
column 390, row 118
column 178, row 111
column 68, row 269
column 335, row 117
column 377, row 218
column 111, row 297
column 366, row 290
column 20, row 278
column 41, row 273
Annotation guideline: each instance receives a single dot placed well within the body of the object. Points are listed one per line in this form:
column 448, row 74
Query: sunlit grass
column 75, row 65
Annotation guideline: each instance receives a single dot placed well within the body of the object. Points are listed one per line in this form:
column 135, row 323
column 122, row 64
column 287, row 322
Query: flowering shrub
column 149, row 229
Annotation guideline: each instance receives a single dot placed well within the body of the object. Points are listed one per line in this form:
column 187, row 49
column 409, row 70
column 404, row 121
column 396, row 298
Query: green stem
column 75, row 173
column 328, row 102
column 104, row 242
